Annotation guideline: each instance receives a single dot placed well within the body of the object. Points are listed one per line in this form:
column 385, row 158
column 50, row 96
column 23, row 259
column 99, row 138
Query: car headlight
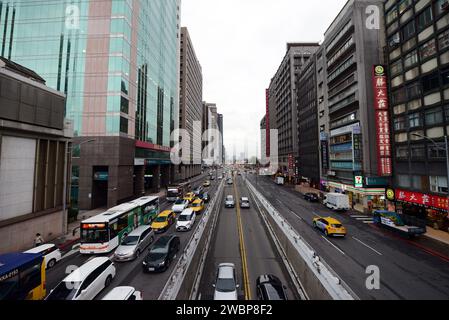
column 144, row 263
column 162, row 263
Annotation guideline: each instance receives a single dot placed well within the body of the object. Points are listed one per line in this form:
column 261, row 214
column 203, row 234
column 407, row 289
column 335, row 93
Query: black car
column 312, row 197
column 205, row 197
column 269, row 287
column 162, row 254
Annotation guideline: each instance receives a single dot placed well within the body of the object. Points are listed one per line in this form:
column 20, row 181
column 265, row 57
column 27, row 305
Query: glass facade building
column 116, row 61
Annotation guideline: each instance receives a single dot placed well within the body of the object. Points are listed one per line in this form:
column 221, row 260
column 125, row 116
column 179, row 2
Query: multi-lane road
column 131, row 273
column 409, row 269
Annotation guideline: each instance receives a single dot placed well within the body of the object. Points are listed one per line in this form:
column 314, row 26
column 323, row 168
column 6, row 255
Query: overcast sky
column 240, row 44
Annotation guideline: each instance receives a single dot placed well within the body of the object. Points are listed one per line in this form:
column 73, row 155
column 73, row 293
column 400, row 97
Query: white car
column 51, row 253
column 86, row 282
column 124, row 293
column 226, row 284
column 180, row 205
column 186, row 220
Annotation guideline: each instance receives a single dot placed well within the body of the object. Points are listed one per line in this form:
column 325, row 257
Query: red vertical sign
column 381, row 106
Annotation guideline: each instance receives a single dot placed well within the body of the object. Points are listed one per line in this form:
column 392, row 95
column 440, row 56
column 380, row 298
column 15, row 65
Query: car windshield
column 179, row 202
column 130, row 241
column 184, row 217
column 161, row 219
column 229, row 198
column 64, row 291
column 337, row 225
column 196, row 205
column 225, row 285
column 158, row 250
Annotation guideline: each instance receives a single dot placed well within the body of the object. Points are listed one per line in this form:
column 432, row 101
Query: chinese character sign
column 382, row 122
column 436, row 202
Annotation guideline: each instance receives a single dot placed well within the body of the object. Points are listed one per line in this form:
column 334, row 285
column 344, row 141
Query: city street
column 409, row 269
column 130, row 273
column 261, row 254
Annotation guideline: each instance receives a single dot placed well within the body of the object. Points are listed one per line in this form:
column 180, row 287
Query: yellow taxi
column 163, row 221
column 190, row 197
column 197, row 205
column 206, row 183
column 330, row 226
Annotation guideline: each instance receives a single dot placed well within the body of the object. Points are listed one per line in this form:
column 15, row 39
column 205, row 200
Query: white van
column 337, row 201
column 86, row 282
column 51, row 253
column 123, row 293
column 186, row 220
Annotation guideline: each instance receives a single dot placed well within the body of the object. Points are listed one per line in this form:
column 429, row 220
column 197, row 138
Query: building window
column 443, row 40
column 418, row 152
column 430, row 82
column 123, row 125
column 434, row 116
column 410, row 59
column 396, row 67
column 417, row 182
column 124, row 105
column 403, row 180
column 446, row 112
column 436, row 151
column 403, row 5
column 402, row 153
column 414, row 120
column 439, row 6
column 399, row 123
column 425, row 18
column 392, row 14
column 427, row 50
column 409, row 30
column 438, row 184
column 398, row 96
column 413, row 90
column 445, row 76
column 394, row 40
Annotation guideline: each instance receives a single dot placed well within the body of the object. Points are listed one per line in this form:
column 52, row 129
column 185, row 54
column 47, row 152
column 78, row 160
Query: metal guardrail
column 174, row 283
column 336, row 287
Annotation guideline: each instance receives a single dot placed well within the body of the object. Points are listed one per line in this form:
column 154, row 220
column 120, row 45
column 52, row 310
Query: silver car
column 244, row 203
column 134, row 244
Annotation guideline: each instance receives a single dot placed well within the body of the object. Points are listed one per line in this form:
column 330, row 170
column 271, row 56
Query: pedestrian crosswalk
column 363, row 218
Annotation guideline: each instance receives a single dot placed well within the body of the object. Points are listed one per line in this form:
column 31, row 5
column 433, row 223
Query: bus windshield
column 94, row 235
column 173, row 193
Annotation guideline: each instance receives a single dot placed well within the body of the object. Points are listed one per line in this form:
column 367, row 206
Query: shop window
column 438, row 184
column 428, row 49
column 434, row 116
column 414, row 120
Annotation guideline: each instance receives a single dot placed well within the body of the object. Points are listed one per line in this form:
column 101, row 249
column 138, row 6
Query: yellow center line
column 247, row 287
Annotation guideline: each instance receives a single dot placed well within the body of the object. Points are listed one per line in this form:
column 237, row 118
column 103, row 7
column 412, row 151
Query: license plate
column 150, row 269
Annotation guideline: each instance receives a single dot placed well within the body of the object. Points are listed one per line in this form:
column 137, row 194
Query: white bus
column 104, row 232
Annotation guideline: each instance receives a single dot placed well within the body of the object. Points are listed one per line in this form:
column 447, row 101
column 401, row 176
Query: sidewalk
column 437, row 235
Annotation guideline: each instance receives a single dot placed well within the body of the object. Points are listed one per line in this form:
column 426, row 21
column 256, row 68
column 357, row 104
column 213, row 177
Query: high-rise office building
column 351, row 161
column 284, row 100
column 221, row 141
column 190, row 105
column 418, row 68
column 117, row 62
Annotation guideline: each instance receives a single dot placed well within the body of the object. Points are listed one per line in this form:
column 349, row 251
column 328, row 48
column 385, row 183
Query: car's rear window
column 337, row 225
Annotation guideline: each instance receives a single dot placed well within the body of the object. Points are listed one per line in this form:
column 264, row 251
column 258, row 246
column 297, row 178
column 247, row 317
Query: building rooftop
column 19, row 69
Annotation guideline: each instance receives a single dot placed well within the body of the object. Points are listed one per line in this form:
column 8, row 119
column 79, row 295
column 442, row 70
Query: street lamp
column 439, row 148
column 64, row 204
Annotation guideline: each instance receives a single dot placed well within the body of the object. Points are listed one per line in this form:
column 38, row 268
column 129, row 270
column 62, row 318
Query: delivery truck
column 400, row 223
column 336, row 201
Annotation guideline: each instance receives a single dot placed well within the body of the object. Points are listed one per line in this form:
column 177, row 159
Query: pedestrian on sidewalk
column 38, row 241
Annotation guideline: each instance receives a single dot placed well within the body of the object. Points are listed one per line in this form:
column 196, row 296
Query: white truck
column 280, row 181
column 337, row 201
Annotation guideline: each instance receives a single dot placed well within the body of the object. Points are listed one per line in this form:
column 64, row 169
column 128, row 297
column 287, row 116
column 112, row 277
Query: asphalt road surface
column 242, row 243
column 131, row 273
column 409, row 269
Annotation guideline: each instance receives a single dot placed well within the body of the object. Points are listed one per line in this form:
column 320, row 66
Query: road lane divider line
column 246, row 283
column 363, row 243
column 333, row 245
column 296, row 215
